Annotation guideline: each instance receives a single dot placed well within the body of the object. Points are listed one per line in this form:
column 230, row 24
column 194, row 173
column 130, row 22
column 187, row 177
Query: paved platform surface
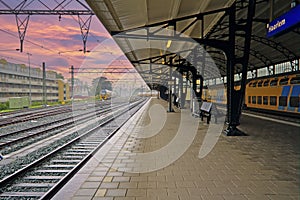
column 263, row 165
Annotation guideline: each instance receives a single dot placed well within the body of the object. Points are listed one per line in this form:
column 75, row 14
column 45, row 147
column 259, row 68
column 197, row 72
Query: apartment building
column 17, row 80
column 63, row 91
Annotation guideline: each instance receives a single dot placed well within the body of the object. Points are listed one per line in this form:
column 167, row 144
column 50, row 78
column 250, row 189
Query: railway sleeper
column 37, row 185
column 43, row 177
column 59, row 166
column 22, row 194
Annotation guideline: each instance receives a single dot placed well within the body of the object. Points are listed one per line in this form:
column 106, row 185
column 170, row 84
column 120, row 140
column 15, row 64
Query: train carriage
column 275, row 94
column 105, row 94
column 280, row 94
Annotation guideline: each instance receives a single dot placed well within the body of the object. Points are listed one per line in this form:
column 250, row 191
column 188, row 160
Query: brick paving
column 263, row 165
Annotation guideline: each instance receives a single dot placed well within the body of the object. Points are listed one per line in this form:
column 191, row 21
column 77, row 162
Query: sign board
column 206, row 106
column 284, row 22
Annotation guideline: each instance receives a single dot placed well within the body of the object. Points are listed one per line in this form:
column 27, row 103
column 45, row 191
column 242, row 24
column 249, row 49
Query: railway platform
column 262, row 165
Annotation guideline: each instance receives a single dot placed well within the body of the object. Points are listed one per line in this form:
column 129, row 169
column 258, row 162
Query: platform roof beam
column 24, row 9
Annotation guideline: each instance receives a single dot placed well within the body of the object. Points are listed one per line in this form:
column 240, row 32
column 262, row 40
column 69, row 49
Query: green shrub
column 4, row 106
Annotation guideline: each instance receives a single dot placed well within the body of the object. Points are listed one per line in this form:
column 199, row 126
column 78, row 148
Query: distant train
column 278, row 93
column 105, row 94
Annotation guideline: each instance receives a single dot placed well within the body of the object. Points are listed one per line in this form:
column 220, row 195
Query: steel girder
column 228, row 46
column 23, row 11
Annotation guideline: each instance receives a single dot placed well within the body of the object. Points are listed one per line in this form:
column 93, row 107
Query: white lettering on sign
column 277, row 25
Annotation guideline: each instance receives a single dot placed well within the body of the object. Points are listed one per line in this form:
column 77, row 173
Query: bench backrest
column 206, row 106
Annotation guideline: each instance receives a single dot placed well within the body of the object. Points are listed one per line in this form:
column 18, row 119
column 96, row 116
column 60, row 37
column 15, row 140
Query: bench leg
column 208, row 119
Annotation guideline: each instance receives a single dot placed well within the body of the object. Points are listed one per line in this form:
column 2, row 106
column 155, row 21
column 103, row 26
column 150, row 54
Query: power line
column 36, row 44
column 22, row 61
column 76, row 20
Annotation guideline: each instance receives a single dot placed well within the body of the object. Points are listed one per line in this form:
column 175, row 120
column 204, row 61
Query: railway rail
column 264, row 113
column 33, row 114
column 31, row 134
column 42, row 178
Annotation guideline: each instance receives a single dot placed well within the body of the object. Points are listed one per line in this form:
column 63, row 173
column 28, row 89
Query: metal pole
column 72, row 82
column 182, row 97
column 271, row 4
column 170, row 88
column 44, row 85
column 28, row 54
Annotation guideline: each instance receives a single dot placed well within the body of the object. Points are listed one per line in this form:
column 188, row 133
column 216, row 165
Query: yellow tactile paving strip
column 237, row 168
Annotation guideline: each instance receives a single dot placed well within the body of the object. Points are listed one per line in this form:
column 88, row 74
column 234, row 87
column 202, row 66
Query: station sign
column 284, row 23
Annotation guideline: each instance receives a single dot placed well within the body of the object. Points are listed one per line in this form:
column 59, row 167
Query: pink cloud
column 46, row 37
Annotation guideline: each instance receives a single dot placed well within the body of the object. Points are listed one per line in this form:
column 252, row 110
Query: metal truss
column 105, row 70
column 234, row 61
column 22, row 27
column 297, row 30
column 223, row 24
column 278, row 47
column 24, row 9
column 265, row 60
column 173, row 22
column 288, row 54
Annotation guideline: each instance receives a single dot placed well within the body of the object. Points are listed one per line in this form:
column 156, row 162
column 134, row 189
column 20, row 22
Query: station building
column 15, row 82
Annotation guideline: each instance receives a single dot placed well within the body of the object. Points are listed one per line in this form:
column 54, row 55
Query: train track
column 33, row 114
column 273, row 116
column 28, row 110
column 267, row 114
column 42, row 178
column 12, row 141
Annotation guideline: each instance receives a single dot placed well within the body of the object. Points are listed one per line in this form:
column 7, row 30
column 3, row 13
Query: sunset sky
column 57, row 43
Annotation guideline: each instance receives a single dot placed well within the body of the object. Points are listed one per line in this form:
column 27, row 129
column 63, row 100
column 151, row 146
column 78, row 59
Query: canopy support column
column 235, row 98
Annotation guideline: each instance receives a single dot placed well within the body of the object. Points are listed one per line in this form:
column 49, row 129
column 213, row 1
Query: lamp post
column 29, row 54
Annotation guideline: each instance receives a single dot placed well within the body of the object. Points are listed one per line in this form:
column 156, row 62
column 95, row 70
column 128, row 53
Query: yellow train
column 105, row 94
column 280, row 94
column 277, row 94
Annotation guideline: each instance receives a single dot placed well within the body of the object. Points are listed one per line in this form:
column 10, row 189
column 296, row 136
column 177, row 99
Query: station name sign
column 284, row 22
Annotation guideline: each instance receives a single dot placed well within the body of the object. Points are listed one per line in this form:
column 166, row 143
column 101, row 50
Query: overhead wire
column 49, row 49
column 95, row 37
column 15, row 59
column 36, row 44
column 39, row 45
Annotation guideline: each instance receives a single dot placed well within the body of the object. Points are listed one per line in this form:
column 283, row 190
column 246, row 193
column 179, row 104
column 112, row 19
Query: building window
column 295, row 80
column 259, row 100
column 249, row 99
column 283, row 101
column 283, row 81
column 259, row 84
column 266, row 83
column 253, row 99
column 294, row 101
column 274, row 83
column 265, row 100
column 273, row 100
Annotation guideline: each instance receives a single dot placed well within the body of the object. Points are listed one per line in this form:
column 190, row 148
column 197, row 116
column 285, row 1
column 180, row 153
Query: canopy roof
column 138, row 18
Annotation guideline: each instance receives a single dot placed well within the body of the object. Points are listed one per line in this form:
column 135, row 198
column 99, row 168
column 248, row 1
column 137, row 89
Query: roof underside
column 138, row 18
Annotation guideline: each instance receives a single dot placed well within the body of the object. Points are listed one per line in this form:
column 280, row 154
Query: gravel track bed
column 28, row 124
column 29, row 158
column 15, row 147
column 44, row 120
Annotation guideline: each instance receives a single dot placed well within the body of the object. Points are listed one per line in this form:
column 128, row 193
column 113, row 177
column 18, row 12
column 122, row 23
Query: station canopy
column 144, row 30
